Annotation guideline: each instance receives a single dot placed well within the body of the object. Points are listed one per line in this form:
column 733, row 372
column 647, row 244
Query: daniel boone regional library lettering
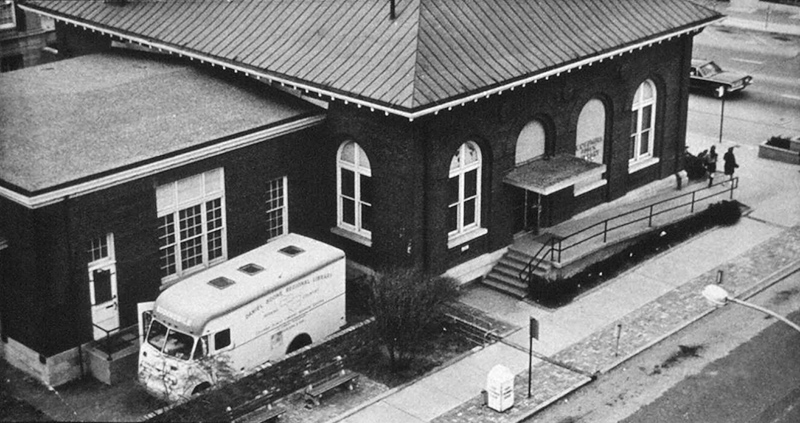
column 174, row 136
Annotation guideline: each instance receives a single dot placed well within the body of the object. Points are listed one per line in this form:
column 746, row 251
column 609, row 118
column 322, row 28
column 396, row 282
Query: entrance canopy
column 547, row 175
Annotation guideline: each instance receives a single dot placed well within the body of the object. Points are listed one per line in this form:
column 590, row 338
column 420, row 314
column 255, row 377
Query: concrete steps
column 504, row 277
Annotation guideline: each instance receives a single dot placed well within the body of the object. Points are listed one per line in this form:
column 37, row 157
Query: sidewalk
column 760, row 16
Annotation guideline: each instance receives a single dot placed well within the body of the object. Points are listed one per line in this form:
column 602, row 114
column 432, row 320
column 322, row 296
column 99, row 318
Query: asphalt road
column 732, row 366
column 766, row 108
column 757, row 382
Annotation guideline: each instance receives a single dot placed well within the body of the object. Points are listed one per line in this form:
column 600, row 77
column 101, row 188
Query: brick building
column 419, row 133
column 24, row 38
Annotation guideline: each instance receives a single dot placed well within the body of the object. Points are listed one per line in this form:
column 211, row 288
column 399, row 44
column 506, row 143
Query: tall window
column 354, row 181
column 191, row 218
column 464, row 190
column 643, row 118
column 277, row 215
column 590, row 140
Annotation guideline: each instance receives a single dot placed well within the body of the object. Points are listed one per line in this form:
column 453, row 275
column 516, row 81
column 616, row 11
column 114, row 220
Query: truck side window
column 222, row 339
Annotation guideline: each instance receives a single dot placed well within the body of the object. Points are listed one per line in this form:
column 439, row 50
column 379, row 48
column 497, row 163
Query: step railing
column 555, row 247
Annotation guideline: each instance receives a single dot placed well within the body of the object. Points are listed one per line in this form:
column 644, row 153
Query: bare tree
column 406, row 304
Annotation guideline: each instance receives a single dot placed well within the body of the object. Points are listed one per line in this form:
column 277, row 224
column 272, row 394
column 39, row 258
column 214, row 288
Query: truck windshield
column 169, row 341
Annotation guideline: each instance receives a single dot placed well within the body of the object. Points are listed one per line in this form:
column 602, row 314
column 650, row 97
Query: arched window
column 590, row 140
column 530, row 143
column 354, row 186
column 643, row 118
column 464, row 190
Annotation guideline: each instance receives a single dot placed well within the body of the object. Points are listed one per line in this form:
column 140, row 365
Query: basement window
column 221, row 282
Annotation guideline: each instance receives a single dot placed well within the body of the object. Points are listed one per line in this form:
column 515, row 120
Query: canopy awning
column 547, row 175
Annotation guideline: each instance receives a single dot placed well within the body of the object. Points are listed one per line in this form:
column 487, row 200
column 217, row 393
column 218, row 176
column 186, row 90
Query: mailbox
column 500, row 388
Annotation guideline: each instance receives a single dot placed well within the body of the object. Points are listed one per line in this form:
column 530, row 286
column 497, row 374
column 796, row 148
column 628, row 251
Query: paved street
column 742, row 365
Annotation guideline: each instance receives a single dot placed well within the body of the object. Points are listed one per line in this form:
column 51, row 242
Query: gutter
column 373, row 106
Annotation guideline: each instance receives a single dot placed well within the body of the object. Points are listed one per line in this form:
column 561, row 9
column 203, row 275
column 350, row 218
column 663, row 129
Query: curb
column 555, row 398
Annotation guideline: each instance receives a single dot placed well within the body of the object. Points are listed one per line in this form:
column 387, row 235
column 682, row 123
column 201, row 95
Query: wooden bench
column 258, row 409
column 327, row 379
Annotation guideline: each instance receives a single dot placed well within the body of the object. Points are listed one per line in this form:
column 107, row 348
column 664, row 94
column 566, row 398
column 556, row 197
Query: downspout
column 426, row 262
column 70, row 264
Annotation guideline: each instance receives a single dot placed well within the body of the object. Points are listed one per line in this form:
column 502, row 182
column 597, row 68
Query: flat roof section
column 75, row 119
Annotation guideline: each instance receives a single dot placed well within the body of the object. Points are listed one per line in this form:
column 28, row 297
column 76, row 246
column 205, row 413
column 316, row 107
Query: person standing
column 730, row 163
column 711, row 164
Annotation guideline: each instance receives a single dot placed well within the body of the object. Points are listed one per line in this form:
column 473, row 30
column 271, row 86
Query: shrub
column 406, row 304
column 724, row 213
column 779, row 141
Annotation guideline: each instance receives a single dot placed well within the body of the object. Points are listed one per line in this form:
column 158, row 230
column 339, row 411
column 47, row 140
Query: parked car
column 707, row 76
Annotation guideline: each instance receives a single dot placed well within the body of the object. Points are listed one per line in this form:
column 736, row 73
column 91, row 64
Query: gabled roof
column 111, row 116
column 434, row 52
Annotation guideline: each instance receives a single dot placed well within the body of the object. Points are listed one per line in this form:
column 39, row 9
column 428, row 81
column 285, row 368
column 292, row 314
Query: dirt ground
column 623, row 391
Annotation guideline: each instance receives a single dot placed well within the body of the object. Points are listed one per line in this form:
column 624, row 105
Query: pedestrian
column 730, row 163
column 711, row 164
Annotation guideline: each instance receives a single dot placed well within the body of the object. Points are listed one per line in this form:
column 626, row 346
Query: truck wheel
column 200, row 388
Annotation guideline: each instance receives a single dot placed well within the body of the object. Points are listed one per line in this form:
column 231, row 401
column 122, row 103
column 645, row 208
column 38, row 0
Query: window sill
column 456, row 240
column 637, row 166
column 590, row 187
column 361, row 239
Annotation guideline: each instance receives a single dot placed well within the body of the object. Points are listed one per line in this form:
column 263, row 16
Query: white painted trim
column 355, row 237
column 464, row 237
column 372, row 105
column 641, row 164
column 159, row 166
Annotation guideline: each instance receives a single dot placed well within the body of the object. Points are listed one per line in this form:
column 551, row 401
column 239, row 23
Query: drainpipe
column 70, row 262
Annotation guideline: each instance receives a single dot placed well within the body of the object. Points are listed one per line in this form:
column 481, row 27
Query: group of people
column 710, row 162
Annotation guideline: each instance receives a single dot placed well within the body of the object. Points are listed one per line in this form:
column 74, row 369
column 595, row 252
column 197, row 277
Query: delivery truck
column 230, row 320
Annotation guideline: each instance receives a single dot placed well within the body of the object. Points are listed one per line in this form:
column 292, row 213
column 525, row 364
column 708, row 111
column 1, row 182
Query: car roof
column 700, row 62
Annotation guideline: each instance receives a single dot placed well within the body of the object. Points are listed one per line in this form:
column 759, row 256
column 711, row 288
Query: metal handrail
column 107, row 338
column 606, row 229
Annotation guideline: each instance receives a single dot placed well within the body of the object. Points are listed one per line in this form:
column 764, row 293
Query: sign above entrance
column 548, row 175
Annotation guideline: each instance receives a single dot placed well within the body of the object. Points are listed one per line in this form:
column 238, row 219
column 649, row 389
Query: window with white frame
column 354, row 186
column 277, row 216
column 101, row 248
column 643, row 117
column 464, row 190
column 8, row 18
column 191, row 223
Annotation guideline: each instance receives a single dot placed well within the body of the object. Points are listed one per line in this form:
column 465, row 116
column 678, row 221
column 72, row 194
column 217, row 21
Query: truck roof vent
column 221, row 282
column 291, row 250
column 251, row 269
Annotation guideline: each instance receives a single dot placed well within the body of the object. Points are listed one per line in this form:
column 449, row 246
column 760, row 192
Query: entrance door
column 103, row 287
column 527, row 209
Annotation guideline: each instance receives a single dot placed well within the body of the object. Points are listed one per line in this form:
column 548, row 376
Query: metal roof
column 434, row 54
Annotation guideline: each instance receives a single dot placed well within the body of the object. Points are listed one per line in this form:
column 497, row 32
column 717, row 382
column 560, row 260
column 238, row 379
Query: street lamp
column 717, row 295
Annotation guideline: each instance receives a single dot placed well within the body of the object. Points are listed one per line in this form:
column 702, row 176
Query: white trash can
column 500, row 388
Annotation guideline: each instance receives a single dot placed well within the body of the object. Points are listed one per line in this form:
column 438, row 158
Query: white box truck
column 226, row 321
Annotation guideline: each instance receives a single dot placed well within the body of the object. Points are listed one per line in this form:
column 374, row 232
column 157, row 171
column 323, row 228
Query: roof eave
column 408, row 113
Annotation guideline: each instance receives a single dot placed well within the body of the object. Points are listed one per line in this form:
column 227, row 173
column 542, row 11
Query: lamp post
column 721, row 95
column 717, row 295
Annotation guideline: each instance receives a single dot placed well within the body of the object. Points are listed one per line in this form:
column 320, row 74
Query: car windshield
column 169, row 341
column 709, row 69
